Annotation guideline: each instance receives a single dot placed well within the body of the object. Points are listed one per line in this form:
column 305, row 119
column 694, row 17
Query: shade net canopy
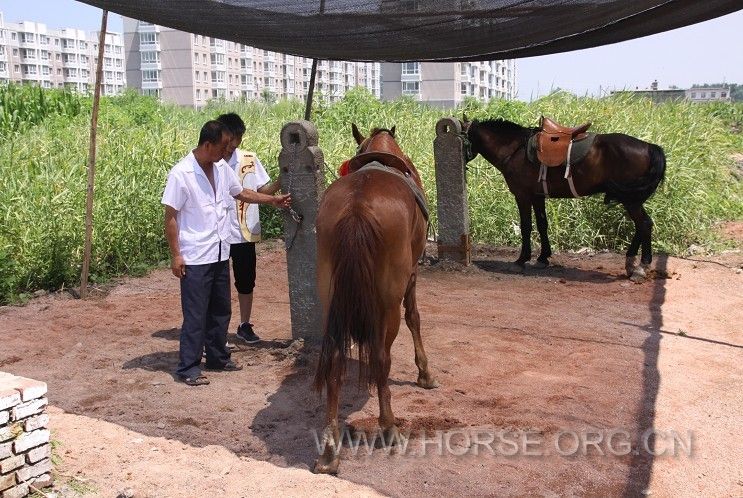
column 421, row 30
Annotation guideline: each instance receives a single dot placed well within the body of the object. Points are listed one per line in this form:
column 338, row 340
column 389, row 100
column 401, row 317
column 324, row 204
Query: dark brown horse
column 371, row 231
column 624, row 168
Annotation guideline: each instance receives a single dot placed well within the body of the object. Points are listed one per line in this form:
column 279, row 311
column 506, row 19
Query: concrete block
column 7, row 481
column 12, row 463
column 8, row 398
column 28, row 408
column 29, row 388
column 16, row 492
column 30, row 440
column 39, row 453
column 36, row 422
column 36, row 470
column 4, row 417
column 6, row 449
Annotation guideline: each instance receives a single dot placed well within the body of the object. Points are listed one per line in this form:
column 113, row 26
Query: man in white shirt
column 197, row 199
column 245, row 221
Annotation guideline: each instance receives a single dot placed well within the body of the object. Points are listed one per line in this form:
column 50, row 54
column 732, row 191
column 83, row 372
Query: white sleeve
column 261, row 176
column 233, row 182
column 175, row 194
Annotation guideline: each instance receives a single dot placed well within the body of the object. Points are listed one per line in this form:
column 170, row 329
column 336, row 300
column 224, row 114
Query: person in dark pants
column 245, row 221
column 196, row 198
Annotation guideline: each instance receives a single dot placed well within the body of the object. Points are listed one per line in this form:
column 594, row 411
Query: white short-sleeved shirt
column 203, row 213
column 254, row 177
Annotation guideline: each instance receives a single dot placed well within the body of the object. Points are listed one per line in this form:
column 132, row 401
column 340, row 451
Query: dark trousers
column 205, row 301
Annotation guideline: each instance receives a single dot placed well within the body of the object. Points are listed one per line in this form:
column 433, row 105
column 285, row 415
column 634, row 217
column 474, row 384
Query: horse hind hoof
column 427, row 383
column 327, row 467
column 629, row 265
column 639, row 275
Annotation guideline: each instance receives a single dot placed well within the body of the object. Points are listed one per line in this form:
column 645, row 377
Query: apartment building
column 446, row 84
column 708, row 94
column 189, row 69
column 56, row 58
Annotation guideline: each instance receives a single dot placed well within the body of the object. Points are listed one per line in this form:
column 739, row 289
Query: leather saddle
column 360, row 160
column 553, row 141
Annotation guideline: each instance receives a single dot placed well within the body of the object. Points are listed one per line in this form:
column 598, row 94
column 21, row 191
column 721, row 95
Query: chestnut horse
column 626, row 169
column 371, row 231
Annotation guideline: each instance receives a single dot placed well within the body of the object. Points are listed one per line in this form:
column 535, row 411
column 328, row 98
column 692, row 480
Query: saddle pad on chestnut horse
column 420, row 199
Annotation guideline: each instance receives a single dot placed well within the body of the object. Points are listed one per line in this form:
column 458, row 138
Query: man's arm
column 253, row 197
column 177, row 265
column 271, row 188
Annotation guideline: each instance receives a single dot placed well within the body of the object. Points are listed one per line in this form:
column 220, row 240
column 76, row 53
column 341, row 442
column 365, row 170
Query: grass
column 43, row 158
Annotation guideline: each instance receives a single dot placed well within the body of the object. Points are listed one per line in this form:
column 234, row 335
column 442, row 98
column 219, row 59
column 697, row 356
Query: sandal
column 230, row 366
column 198, row 380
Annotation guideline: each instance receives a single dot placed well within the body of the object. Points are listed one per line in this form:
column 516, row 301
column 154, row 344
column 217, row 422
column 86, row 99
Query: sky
column 708, row 52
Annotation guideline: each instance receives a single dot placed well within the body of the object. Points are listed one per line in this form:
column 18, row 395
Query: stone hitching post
column 451, row 193
column 301, row 163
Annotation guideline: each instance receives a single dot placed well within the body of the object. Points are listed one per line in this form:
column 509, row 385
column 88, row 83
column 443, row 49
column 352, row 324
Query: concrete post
column 451, row 192
column 301, row 163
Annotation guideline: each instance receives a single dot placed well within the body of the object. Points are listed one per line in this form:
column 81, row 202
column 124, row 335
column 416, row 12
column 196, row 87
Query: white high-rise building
column 56, row 58
column 446, row 84
column 189, row 69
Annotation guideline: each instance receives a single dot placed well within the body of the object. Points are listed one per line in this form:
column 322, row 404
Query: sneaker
column 245, row 333
column 230, row 345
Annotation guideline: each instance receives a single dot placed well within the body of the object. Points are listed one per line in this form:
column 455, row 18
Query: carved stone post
column 451, row 192
column 301, row 163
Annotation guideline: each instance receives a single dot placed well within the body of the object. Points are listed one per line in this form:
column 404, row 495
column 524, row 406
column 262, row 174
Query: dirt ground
column 573, row 348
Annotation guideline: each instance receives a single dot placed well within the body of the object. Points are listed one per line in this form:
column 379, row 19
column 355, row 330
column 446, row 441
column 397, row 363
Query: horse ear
column 392, row 131
column 356, row 134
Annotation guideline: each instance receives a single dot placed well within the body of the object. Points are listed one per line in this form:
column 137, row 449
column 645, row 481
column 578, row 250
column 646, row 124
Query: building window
column 147, row 38
column 410, row 87
column 704, row 95
column 218, row 59
column 411, row 68
column 712, row 95
column 463, row 88
column 150, row 75
column 693, row 95
column 723, row 95
column 150, row 57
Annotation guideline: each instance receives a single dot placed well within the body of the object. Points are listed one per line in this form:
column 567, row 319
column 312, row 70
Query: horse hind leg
column 643, row 228
column 413, row 321
column 331, row 438
column 524, row 205
column 540, row 213
column 387, row 421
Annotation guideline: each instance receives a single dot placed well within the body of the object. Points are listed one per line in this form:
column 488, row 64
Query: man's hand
column 282, row 201
column 178, row 266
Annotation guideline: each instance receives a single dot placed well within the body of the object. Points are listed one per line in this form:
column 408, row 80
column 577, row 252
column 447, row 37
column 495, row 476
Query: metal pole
column 310, row 92
column 91, row 159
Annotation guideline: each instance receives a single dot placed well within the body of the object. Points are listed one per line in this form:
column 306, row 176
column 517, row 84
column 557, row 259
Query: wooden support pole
column 91, row 160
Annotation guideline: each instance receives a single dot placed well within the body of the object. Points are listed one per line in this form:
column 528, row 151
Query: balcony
column 152, row 85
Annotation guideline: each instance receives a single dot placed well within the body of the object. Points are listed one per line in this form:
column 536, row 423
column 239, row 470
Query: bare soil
column 572, row 348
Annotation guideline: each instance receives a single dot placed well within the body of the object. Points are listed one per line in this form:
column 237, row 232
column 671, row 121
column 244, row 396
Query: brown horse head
column 382, row 147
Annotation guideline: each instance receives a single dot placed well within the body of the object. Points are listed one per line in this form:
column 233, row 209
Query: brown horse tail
column 641, row 189
column 354, row 311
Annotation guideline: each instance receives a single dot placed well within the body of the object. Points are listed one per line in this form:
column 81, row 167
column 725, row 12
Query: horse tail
column 355, row 311
column 640, row 190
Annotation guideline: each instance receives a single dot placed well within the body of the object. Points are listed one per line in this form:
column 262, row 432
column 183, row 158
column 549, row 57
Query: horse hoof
column 541, row 265
column 639, row 275
column 392, row 436
column 629, row 265
column 427, row 383
column 517, row 267
column 327, row 467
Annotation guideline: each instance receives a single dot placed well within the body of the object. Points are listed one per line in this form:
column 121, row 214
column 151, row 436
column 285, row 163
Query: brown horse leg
column 330, row 458
column 413, row 320
column 524, row 204
column 540, row 213
column 386, row 417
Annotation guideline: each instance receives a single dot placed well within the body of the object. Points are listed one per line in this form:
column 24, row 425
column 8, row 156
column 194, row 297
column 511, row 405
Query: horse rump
column 639, row 190
column 354, row 311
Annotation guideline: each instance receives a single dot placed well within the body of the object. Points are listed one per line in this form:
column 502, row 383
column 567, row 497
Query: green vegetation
column 43, row 155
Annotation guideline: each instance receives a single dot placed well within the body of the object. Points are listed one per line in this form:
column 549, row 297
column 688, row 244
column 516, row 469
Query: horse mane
column 502, row 126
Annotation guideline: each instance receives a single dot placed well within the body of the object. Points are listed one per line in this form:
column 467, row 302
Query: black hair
column 212, row 132
column 233, row 122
